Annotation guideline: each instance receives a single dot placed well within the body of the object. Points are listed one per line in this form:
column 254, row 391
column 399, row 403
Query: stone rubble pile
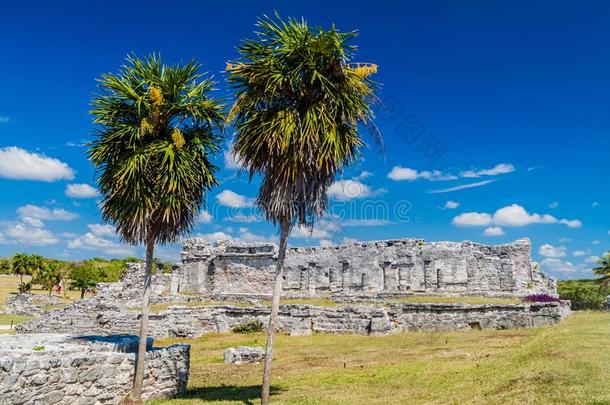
column 244, row 354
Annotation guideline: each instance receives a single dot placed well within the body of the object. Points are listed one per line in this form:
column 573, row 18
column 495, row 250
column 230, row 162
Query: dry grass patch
column 9, row 284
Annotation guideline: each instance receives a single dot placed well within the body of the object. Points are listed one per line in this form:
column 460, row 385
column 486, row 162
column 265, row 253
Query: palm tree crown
column 154, row 138
column 297, row 114
column 603, row 269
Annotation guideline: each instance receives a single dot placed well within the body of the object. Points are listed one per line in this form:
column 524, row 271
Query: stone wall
column 186, row 321
column 404, row 266
column 60, row 369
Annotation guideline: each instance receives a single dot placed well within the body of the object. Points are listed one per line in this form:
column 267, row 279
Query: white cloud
column 363, row 175
column 19, row 164
column 493, row 231
column 45, row 214
column 399, row 173
column 214, row 236
column 461, row 187
column 595, row 204
column 4, row 119
column 501, row 168
column 90, row 241
column 571, row 223
column 239, row 217
column 365, row 222
column 451, row 205
column 231, row 199
column 232, row 162
column 347, row 240
column 558, row 265
column 554, row 205
column 547, row 250
column 516, row 215
column 81, row 191
column 246, row 236
column 348, row 190
column 101, row 230
column 204, row 217
column 35, row 222
column 472, row 219
column 596, row 242
column 512, row 215
column 325, row 242
column 27, row 235
column 322, row 229
column 593, row 259
column 579, row 253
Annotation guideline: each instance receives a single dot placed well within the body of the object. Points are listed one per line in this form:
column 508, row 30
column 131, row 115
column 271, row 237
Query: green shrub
column 248, row 327
column 584, row 294
column 25, row 288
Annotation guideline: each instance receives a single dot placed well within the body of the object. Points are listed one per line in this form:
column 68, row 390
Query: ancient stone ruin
column 364, row 282
column 64, row 369
column 392, row 267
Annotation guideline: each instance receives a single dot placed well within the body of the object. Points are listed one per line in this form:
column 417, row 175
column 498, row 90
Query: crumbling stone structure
column 364, row 280
column 297, row 319
column 61, row 369
column 398, row 267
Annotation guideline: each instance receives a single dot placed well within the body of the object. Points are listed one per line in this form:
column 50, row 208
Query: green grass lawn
column 567, row 363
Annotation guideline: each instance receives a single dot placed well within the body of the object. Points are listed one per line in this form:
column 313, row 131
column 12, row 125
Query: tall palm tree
column 296, row 115
column 604, row 269
column 155, row 131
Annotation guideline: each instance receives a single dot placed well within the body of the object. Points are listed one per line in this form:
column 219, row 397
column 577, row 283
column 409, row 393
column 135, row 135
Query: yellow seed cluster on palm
column 145, row 126
column 178, row 138
column 155, row 95
column 363, row 69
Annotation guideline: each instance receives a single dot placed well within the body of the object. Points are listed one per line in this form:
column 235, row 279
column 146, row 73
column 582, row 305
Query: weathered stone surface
column 58, row 368
column 364, row 319
column 244, row 354
column 403, row 266
column 29, row 304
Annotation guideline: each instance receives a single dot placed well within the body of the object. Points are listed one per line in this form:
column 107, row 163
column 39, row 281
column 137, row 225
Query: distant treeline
column 584, row 294
column 80, row 275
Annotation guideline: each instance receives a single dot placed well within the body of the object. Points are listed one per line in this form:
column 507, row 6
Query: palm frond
column 156, row 130
column 297, row 113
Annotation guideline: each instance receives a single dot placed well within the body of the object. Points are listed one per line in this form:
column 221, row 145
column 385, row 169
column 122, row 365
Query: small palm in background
column 155, row 133
column 604, row 269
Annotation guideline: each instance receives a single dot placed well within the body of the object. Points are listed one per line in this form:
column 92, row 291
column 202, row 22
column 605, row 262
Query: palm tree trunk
column 275, row 308
column 138, row 381
column 82, row 293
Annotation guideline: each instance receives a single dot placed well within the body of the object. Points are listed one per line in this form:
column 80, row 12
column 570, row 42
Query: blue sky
column 496, row 122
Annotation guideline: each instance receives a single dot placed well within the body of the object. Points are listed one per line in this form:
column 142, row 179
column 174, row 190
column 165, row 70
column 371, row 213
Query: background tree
column 297, row 111
column 155, row 133
column 49, row 275
column 604, row 269
column 22, row 266
column 83, row 278
column 6, row 266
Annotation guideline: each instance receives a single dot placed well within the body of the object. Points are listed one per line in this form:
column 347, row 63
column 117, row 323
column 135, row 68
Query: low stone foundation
column 62, row 369
column 183, row 321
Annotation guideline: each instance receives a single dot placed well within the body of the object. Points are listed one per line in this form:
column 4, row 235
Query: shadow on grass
column 247, row 395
